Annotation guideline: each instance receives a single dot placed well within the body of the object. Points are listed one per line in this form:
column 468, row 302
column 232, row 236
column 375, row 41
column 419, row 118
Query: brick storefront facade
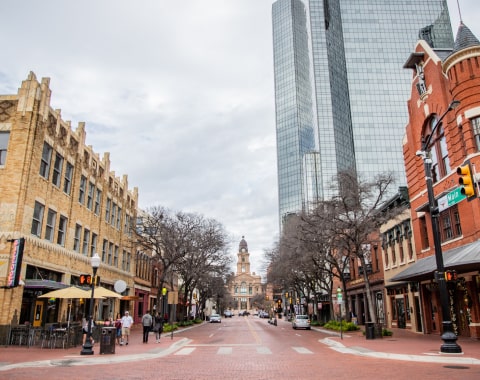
column 58, row 195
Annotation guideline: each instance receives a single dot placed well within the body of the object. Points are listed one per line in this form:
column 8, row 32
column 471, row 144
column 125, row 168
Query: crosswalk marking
column 224, row 351
column 302, row 350
column 228, row 350
column 185, row 351
column 263, row 350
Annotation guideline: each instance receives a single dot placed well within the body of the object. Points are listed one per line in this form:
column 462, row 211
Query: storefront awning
column 44, row 284
column 464, row 258
column 130, row 298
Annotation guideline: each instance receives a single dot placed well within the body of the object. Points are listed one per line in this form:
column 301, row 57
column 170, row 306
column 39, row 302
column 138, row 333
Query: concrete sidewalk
column 402, row 345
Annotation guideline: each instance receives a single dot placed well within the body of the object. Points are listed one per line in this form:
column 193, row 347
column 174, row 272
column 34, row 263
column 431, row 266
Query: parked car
column 214, row 318
column 263, row 314
column 228, row 314
column 243, row 313
column 301, row 322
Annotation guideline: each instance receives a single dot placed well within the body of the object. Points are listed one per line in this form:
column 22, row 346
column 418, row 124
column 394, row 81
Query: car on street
column 301, row 322
column 263, row 314
column 214, row 318
column 228, row 314
column 243, row 313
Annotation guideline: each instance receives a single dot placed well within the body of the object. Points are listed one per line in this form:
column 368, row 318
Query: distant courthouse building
column 59, row 204
column 244, row 285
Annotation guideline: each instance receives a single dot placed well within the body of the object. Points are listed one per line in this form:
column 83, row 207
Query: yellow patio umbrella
column 106, row 293
column 71, row 292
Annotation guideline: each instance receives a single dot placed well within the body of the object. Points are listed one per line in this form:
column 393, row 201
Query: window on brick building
column 450, row 224
column 50, row 226
column 438, row 149
column 424, row 233
column 93, row 245
column 82, row 189
column 37, row 219
column 476, row 130
column 86, row 241
column 115, row 257
column 107, row 210
column 90, row 195
column 104, row 250
column 57, row 170
column 4, row 137
column 76, row 238
column 62, row 230
column 98, row 202
column 46, row 160
column 67, row 184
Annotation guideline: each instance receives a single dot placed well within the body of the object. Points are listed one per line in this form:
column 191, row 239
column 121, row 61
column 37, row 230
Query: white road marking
column 185, row 351
column 264, row 350
column 224, row 351
column 302, row 350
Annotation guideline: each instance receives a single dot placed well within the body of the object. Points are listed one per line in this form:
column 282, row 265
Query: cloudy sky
column 179, row 92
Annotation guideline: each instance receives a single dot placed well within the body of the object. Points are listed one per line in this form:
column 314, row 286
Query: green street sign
column 450, row 199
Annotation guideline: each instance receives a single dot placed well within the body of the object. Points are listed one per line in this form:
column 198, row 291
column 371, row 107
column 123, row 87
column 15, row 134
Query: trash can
column 107, row 340
column 370, row 330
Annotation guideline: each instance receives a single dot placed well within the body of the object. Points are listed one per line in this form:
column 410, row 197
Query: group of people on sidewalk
column 152, row 323
column 124, row 324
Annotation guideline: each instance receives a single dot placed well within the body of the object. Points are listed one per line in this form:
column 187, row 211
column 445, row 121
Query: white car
column 215, row 318
column 301, row 322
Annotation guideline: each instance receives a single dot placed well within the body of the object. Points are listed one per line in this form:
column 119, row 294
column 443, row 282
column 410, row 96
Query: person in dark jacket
column 147, row 322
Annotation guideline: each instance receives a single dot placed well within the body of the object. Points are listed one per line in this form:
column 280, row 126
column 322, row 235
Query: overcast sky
column 179, row 92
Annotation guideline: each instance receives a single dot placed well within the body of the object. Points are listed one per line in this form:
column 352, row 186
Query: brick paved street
column 211, row 351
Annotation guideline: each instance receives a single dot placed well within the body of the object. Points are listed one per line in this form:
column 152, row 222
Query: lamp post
column 88, row 347
column 340, row 302
column 164, row 304
column 448, row 336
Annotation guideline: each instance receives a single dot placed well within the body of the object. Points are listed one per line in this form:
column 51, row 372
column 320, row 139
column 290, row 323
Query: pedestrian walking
column 158, row 327
column 127, row 323
column 118, row 326
column 147, row 322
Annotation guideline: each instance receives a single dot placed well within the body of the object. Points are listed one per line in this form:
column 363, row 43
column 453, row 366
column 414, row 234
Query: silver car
column 215, row 318
column 301, row 322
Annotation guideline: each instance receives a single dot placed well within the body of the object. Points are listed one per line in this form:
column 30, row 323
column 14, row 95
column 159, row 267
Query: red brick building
column 439, row 77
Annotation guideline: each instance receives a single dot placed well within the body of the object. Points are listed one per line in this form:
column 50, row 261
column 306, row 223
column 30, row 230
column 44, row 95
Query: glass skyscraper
column 341, row 89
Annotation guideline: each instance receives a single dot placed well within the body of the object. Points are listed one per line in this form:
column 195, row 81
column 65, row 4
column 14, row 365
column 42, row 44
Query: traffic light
column 466, row 180
column 451, row 275
column 85, row 279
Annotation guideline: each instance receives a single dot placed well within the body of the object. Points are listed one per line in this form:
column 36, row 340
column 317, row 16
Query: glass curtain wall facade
column 340, row 88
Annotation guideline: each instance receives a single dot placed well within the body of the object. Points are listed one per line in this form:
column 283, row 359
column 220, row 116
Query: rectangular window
column 62, row 230
column 124, row 260
column 114, row 213
column 424, row 233
column 4, row 137
column 126, row 227
column 67, row 184
column 119, row 217
column 81, row 191
column 107, row 210
column 50, row 227
column 129, row 258
column 110, row 254
column 93, row 245
column 476, row 130
column 115, row 257
column 98, row 202
column 91, row 193
column 450, row 224
column 57, row 170
column 46, row 160
column 104, row 250
column 37, row 219
column 86, row 241
column 76, row 238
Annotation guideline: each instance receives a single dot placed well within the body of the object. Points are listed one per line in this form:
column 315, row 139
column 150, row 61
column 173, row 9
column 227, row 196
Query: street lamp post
column 88, row 347
column 340, row 303
column 448, row 336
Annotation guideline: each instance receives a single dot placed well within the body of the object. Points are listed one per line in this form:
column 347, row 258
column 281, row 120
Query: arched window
column 438, row 150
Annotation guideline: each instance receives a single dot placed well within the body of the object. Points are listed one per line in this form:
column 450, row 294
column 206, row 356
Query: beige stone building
column 244, row 285
column 62, row 202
